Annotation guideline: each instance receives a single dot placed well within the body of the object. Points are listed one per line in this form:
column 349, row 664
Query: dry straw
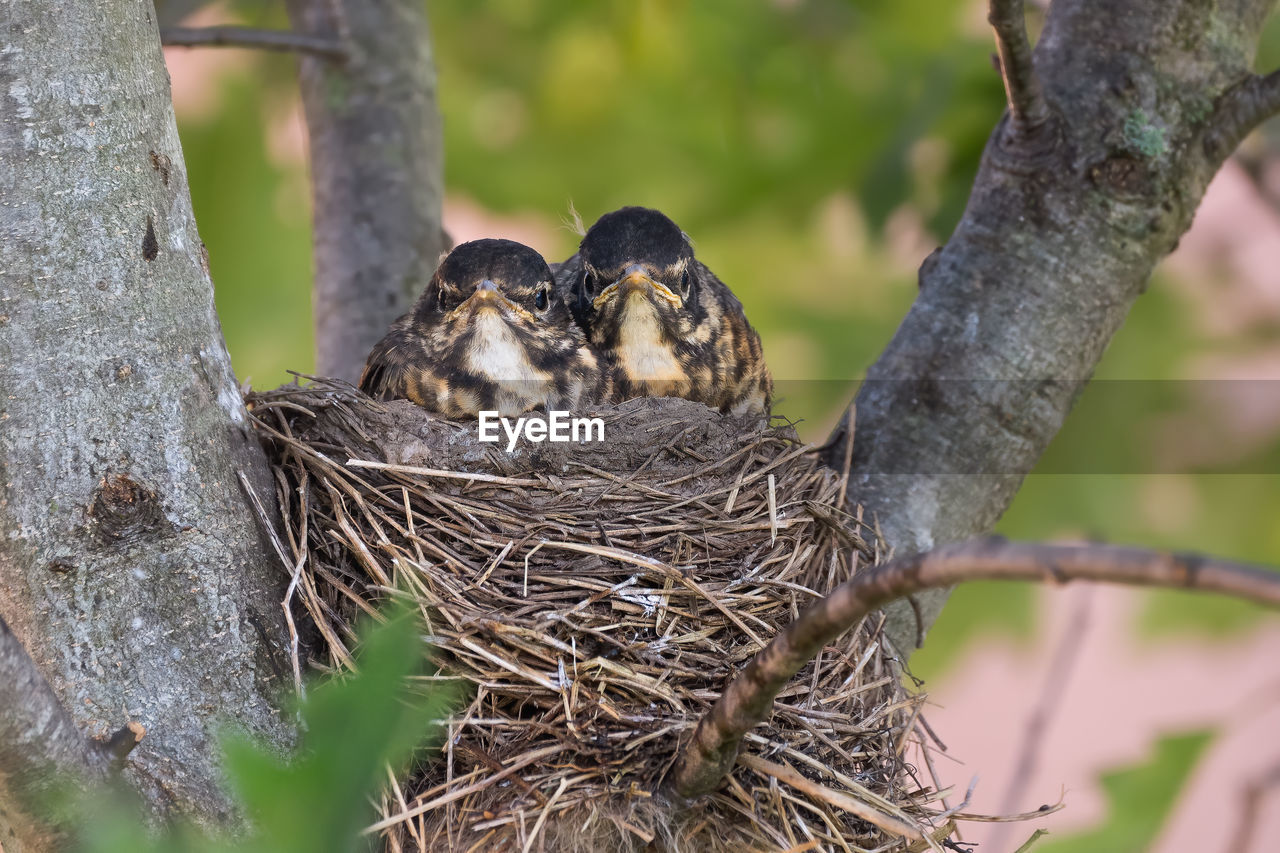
column 594, row 599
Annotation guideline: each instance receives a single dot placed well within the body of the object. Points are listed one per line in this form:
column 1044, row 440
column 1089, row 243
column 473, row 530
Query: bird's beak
column 487, row 295
column 636, row 280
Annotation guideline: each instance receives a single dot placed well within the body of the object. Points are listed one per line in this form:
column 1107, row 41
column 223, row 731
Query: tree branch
column 1027, row 106
column 748, row 699
column 41, row 748
column 281, row 40
column 376, row 176
column 1239, row 111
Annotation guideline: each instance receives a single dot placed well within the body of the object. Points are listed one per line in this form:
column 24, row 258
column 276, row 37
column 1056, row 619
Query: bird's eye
column 443, row 296
column 540, row 301
column 684, row 283
column 589, row 282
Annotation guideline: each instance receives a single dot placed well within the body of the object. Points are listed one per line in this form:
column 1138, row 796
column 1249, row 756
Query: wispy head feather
column 573, row 221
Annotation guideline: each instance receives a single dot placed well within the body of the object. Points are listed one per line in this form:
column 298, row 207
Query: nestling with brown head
column 660, row 321
column 489, row 334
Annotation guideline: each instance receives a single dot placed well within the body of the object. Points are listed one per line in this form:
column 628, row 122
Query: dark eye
column 540, row 301
column 443, row 296
column 684, row 283
column 589, row 282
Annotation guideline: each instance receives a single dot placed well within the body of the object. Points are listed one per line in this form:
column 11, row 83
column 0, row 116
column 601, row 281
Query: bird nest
column 596, row 598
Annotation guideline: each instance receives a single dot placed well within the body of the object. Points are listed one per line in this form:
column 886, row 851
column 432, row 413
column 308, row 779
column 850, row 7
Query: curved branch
column 1239, row 110
column 40, row 747
column 1027, row 106
column 282, row 40
column 748, row 699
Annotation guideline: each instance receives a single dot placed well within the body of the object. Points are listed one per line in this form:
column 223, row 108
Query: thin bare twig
column 748, row 699
column 1043, row 811
column 288, row 41
column 1251, row 810
column 1027, row 106
column 1238, row 111
column 1056, row 680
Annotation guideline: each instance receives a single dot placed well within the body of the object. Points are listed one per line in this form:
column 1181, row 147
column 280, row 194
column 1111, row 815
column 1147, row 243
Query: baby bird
column 489, row 334
column 660, row 321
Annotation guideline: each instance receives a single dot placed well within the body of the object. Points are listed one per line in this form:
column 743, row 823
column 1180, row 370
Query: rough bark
column 1062, row 230
column 376, row 175
column 132, row 566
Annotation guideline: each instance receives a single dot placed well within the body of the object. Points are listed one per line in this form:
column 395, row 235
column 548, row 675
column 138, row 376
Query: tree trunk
column 1064, row 225
column 132, row 566
column 376, row 172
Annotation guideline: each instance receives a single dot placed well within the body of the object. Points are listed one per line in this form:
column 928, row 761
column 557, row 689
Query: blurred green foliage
column 1268, row 58
column 319, row 799
column 713, row 110
column 816, row 150
column 1138, row 800
column 254, row 217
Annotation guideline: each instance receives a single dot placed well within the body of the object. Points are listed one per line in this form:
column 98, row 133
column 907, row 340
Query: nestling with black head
column 661, row 322
column 490, row 333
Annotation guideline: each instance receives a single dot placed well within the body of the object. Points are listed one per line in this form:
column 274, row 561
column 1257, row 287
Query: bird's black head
column 637, row 267
column 489, row 333
column 504, row 275
column 491, row 315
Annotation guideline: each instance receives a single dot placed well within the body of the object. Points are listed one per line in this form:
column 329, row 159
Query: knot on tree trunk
column 125, row 510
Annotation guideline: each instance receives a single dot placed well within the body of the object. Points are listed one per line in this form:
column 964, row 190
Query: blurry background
column 817, row 151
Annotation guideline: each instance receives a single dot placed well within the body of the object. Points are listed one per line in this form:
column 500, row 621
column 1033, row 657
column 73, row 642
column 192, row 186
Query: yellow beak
column 636, row 280
column 487, row 295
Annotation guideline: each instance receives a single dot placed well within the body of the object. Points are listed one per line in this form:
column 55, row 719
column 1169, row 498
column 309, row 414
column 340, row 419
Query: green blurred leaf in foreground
column 320, row 798
column 1139, row 799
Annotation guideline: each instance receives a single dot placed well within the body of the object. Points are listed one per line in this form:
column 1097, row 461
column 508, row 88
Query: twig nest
column 595, row 598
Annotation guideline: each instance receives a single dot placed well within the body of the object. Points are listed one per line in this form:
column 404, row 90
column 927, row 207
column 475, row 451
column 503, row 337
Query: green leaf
column 1139, row 800
column 354, row 728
